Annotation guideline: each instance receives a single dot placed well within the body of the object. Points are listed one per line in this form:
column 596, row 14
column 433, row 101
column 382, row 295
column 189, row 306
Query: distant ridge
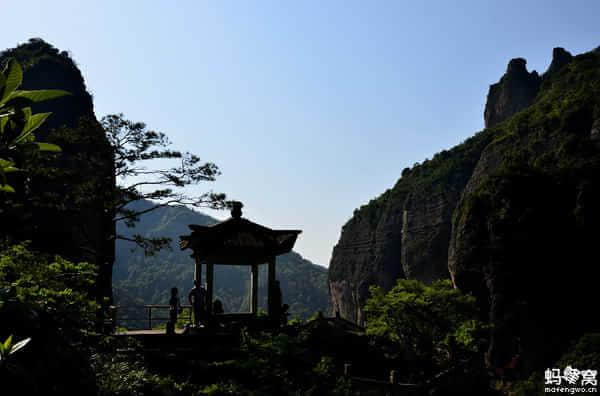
column 146, row 280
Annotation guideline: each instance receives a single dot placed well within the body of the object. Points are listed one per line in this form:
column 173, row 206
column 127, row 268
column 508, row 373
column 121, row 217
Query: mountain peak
column 560, row 57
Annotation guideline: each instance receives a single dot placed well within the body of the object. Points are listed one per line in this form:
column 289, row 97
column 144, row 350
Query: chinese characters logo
column 571, row 376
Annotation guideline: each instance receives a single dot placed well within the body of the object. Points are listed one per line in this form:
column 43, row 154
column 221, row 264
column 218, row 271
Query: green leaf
column 25, row 112
column 14, row 78
column 7, row 189
column 3, row 122
column 35, row 96
column 5, row 163
column 33, row 123
column 10, row 169
column 48, row 147
column 8, row 343
column 19, row 345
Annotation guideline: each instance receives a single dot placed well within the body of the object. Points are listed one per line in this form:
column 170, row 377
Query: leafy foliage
column 119, row 376
column 7, row 348
column 47, row 298
column 134, row 147
column 265, row 364
column 584, row 354
column 17, row 123
column 50, row 286
column 434, row 325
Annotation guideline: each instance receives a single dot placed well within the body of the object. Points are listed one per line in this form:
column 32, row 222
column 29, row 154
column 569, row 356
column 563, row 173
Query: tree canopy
column 140, row 173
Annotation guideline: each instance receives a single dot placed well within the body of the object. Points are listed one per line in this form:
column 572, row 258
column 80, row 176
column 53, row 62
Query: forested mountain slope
column 147, row 280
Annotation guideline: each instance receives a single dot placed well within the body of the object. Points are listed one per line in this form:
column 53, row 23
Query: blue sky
column 310, row 108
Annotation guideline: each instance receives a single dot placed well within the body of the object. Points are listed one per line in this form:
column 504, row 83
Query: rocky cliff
column 524, row 228
column 45, row 67
column 515, row 91
column 66, row 195
column 509, row 214
column 403, row 233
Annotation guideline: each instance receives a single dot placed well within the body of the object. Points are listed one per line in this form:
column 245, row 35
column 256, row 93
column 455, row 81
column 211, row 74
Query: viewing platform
column 206, row 329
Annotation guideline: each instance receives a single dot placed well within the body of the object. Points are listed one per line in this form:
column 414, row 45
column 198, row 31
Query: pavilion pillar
column 270, row 283
column 198, row 270
column 254, row 289
column 209, row 286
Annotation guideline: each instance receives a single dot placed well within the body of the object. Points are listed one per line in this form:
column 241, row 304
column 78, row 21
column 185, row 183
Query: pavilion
column 237, row 241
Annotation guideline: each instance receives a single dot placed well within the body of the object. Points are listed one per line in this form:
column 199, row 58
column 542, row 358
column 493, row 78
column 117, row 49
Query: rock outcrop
column 510, row 215
column 523, row 231
column 518, row 88
column 515, row 91
column 403, row 233
column 71, row 218
column 560, row 57
column 45, row 67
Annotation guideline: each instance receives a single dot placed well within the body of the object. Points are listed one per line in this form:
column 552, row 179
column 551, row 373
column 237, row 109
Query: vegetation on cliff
column 531, row 214
column 516, row 204
column 65, row 218
column 45, row 67
column 517, row 222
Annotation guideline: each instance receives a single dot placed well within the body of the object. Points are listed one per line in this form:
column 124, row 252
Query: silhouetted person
column 197, row 299
column 217, row 307
column 174, row 309
column 283, row 315
column 276, row 300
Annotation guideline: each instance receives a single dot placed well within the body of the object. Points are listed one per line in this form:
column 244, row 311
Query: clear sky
column 310, row 108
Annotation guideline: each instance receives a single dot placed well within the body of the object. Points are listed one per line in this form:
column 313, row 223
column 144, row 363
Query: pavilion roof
column 238, row 241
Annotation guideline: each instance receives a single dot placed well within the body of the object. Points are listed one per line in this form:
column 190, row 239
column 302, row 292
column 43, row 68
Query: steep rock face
column 68, row 204
column 403, row 233
column 45, row 67
column 352, row 265
column 560, row 57
column 523, row 231
column 515, row 91
column 406, row 232
column 426, row 232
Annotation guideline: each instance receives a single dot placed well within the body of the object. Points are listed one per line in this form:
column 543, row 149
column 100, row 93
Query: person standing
column 276, row 302
column 197, row 299
column 174, row 310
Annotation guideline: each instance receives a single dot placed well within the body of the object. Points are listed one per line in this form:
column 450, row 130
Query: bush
column 49, row 287
column 582, row 355
column 47, row 298
column 434, row 325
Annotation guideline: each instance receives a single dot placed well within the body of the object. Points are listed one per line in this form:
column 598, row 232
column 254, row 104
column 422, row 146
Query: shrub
column 50, row 287
column 435, row 324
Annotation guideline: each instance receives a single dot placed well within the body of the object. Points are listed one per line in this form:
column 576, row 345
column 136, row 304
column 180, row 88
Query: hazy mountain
column 139, row 280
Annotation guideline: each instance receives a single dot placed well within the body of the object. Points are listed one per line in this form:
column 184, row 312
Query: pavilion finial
column 236, row 209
